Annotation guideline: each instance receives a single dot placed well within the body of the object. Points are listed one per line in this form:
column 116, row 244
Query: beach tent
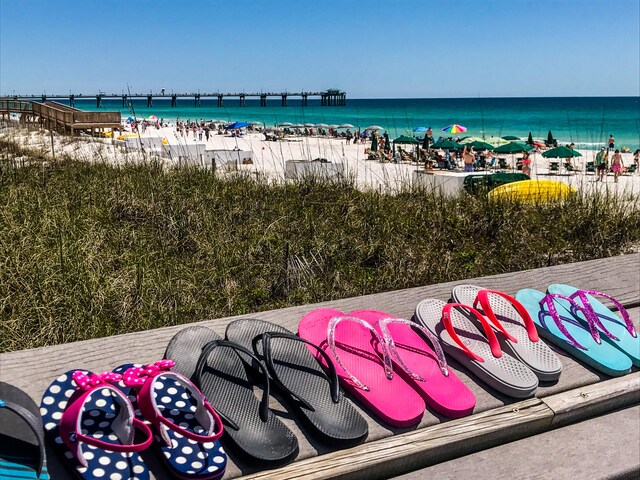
column 236, row 125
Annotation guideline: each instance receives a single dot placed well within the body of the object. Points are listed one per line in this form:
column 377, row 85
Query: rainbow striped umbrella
column 454, row 128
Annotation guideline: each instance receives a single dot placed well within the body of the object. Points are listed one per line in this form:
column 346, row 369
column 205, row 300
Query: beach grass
column 92, row 249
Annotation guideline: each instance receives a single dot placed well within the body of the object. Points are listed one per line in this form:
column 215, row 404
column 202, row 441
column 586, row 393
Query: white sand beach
column 269, row 157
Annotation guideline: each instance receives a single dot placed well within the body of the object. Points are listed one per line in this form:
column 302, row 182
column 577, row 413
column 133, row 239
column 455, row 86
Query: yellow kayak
column 532, row 191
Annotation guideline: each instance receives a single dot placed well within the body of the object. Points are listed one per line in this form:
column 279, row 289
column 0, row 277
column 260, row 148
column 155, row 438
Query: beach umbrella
column 153, row 118
column 420, row 129
column 374, row 127
column 561, row 152
column 322, row 125
column 346, row 125
column 480, row 145
column 310, row 125
column 454, row 128
column 334, row 127
column 550, row 140
column 256, row 123
column 285, row 124
column 512, row 147
column 530, row 139
column 446, row 145
column 403, row 139
column 236, row 125
column 511, row 138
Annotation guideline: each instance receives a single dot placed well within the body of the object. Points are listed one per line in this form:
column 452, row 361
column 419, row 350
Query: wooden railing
column 58, row 112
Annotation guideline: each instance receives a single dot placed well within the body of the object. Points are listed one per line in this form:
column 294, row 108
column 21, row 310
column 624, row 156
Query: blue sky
column 370, row 49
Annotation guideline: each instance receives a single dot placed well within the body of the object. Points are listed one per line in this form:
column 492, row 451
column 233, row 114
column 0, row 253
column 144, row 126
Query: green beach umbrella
column 550, row 140
column 403, row 139
column 511, row 138
column 561, row 152
column 480, row 145
column 530, row 139
column 513, row 147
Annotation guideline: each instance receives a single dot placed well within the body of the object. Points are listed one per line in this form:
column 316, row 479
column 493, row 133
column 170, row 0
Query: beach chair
column 502, row 163
column 554, row 166
column 631, row 170
column 590, row 167
column 568, row 166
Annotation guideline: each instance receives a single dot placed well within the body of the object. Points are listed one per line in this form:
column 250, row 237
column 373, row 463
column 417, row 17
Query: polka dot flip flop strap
column 188, row 428
column 92, row 425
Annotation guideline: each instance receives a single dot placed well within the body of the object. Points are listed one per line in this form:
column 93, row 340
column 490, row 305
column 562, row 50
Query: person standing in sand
column 612, row 142
column 526, row 164
column 602, row 159
column 616, row 165
column 469, row 159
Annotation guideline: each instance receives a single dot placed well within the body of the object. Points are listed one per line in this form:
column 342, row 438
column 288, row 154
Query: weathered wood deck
column 59, row 117
column 580, row 393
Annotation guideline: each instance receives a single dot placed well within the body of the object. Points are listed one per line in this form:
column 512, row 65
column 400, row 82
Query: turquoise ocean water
column 585, row 121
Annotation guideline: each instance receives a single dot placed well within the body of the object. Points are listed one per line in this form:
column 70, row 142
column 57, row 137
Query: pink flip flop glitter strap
column 393, row 350
column 331, row 336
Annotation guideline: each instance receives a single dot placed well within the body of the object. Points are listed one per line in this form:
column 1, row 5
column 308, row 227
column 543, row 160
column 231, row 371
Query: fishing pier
column 328, row 98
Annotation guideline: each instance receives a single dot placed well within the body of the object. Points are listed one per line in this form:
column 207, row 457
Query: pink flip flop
column 363, row 365
column 423, row 367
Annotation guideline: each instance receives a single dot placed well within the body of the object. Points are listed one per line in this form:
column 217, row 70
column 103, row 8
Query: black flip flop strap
column 202, row 362
column 35, row 425
column 268, row 357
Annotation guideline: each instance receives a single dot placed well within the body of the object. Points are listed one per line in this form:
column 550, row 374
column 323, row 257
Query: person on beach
column 526, row 164
column 602, row 160
column 429, row 134
column 612, row 142
column 636, row 159
column 616, row 165
column 469, row 159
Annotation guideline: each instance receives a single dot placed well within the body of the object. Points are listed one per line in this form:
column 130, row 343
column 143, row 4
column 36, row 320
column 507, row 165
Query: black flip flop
column 314, row 394
column 215, row 366
column 22, row 451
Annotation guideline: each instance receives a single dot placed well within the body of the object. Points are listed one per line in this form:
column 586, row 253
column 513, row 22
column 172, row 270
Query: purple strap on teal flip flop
column 548, row 301
column 582, row 294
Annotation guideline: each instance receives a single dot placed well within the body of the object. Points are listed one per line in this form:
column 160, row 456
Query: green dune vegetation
column 90, row 250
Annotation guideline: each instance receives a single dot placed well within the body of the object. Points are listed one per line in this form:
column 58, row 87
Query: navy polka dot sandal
column 187, row 428
column 92, row 425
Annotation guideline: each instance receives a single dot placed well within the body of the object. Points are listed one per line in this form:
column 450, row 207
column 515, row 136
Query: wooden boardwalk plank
column 613, row 453
column 34, row 369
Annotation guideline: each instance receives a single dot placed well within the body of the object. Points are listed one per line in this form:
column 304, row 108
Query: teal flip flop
column 620, row 333
column 553, row 315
